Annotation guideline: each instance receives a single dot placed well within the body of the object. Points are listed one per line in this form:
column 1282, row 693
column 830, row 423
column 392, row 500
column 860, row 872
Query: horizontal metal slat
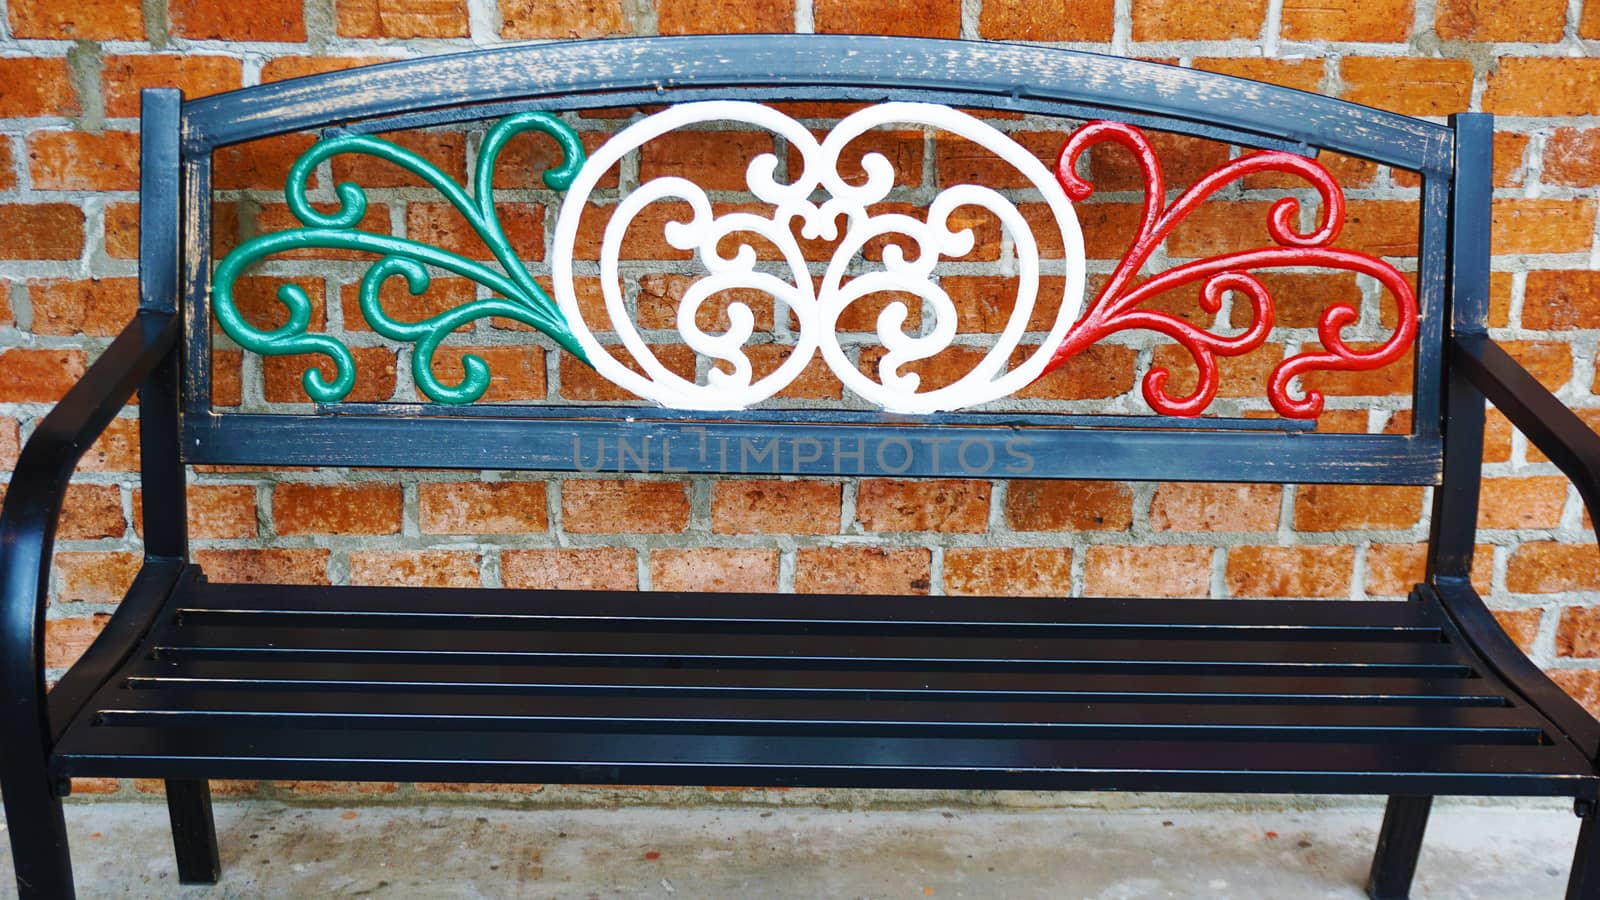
column 780, row 649
column 194, row 705
column 268, row 675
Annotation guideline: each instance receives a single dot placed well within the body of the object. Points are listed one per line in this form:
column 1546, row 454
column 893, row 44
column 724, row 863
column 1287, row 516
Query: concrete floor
column 270, row 849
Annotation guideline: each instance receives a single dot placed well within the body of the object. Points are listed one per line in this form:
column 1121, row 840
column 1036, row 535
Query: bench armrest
column 33, row 507
column 1535, row 412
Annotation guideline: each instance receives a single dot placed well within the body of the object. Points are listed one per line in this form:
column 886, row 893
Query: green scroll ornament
column 518, row 296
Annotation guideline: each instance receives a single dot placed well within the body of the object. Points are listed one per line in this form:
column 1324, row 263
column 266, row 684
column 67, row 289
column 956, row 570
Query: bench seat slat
column 501, row 677
column 598, row 757
column 506, row 685
column 537, row 711
column 893, row 651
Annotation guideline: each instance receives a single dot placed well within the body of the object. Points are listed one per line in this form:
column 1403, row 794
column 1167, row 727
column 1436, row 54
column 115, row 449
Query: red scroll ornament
column 1116, row 307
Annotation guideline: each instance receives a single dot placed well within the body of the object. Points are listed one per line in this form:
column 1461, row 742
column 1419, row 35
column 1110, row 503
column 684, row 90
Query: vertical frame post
column 166, row 530
column 1454, row 524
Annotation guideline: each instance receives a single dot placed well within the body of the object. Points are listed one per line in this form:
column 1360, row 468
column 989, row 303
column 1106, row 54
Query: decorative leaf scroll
column 517, row 296
column 1116, row 307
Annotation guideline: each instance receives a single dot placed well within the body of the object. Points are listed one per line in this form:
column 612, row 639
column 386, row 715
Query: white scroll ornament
column 817, row 308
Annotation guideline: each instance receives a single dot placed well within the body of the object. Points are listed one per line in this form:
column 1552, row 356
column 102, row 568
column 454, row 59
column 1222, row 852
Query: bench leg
column 1399, row 842
column 38, row 833
column 194, row 835
column 1584, row 883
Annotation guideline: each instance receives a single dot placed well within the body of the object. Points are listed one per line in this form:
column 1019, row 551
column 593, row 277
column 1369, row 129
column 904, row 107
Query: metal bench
column 193, row 680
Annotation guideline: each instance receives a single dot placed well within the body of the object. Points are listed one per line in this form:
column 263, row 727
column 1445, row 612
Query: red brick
column 256, row 298
column 285, row 67
column 1533, row 501
column 1176, row 20
column 1500, row 20
column 1544, row 567
column 774, row 507
column 1589, row 22
column 1300, row 74
column 504, row 507
column 261, row 165
column 862, row 570
column 93, row 577
column 580, row 382
column 1069, row 506
column 446, row 150
column 92, row 511
column 1008, row 571
column 100, row 307
column 38, row 376
column 79, row 161
column 1342, row 507
column 1561, row 300
column 661, row 293
column 1521, row 625
column 1578, row 632
column 275, row 217
column 949, row 504
column 1570, row 157
column 265, row 20
column 1184, row 160
column 418, row 568
column 116, row 450
column 122, row 230
column 1246, row 375
column 515, row 373
column 714, row 569
column 440, row 225
column 41, row 230
column 1147, row 571
column 281, row 376
column 715, row 160
column 66, row 639
column 222, row 510
column 95, row 785
column 1394, row 569
column 986, row 303
column 401, row 18
column 1017, row 20
column 397, row 301
column 1413, row 86
column 1307, row 571
column 714, row 16
column 37, row 87
column 1548, row 361
column 80, row 20
column 336, row 509
column 918, row 18
column 1582, row 684
column 624, row 507
column 1216, row 507
column 226, row 386
column 521, row 19
column 123, row 77
column 599, row 569
column 271, row 566
column 1541, row 226
column 1544, row 86
column 1347, row 20
column 8, row 182
column 10, row 443
column 960, row 161
column 1099, row 372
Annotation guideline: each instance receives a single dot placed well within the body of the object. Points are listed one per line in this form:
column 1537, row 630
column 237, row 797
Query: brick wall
column 69, row 80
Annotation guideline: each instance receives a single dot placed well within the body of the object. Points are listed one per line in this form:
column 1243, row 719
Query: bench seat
column 376, row 683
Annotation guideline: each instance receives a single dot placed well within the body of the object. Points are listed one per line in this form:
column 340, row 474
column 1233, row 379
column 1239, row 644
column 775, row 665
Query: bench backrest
column 882, row 425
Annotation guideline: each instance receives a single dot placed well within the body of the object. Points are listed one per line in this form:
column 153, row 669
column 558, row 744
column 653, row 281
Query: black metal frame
column 1457, row 368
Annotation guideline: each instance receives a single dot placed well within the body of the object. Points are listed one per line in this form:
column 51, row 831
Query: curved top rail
column 817, row 66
